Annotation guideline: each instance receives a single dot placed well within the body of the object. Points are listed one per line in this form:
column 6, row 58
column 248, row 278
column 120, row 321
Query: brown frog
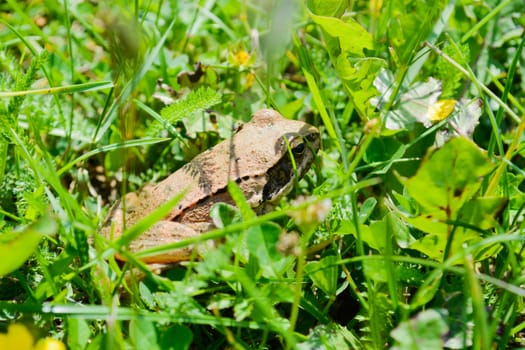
column 257, row 158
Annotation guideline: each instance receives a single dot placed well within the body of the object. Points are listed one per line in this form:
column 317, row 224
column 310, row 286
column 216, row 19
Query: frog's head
column 298, row 153
column 295, row 149
column 266, row 157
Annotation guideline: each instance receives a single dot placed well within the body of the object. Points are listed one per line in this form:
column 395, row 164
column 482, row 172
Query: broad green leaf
column 146, row 295
column 331, row 8
column 353, row 38
column 481, row 212
column 331, row 336
column 290, row 109
column 433, row 245
column 177, row 337
column 77, row 333
column 261, row 241
column 426, row 292
column 445, row 186
column 405, row 203
column 224, row 214
column 16, row 247
column 425, row 331
column 399, row 229
column 143, row 334
column 358, row 75
column 376, row 270
column 347, row 40
column 348, row 227
column 431, row 222
column 324, row 274
column 375, row 234
column 449, row 176
column 388, row 228
column 366, row 209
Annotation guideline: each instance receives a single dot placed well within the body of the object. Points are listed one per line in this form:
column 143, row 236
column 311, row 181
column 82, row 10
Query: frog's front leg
column 166, row 232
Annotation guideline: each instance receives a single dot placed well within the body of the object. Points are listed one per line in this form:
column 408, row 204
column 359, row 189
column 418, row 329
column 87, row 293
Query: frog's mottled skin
column 256, row 157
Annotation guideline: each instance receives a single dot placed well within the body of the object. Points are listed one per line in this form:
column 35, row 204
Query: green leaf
column 146, row 295
column 404, row 25
column 240, row 201
column 399, row 229
column 77, row 333
column 481, row 212
column 445, row 186
column 426, row 292
column 366, row 209
column 375, row 234
column 16, row 247
column 425, row 331
column 376, row 270
column 449, row 176
column 261, row 241
column 224, row 214
column 330, row 8
column 331, row 336
column 196, row 100
column 324, row 274
column 452, row 78
column 433, row 245
column 353, row 38
column 176, row 338
column 143, row 334
column 348, row 227
column 358, row 76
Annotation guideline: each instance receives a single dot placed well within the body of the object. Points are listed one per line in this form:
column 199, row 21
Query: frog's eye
column 299, row 149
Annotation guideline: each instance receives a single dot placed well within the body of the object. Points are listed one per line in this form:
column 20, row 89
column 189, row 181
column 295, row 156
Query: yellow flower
column 49, row 344
column 18, row 337
column 241, row 57
column 441, row 110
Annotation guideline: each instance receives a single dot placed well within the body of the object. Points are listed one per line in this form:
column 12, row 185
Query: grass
column 406, row 233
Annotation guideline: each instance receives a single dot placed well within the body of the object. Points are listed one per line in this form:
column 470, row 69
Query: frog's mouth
column 281, row 178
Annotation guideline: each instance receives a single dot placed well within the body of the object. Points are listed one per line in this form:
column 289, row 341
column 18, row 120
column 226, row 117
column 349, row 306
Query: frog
column 265, row 157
